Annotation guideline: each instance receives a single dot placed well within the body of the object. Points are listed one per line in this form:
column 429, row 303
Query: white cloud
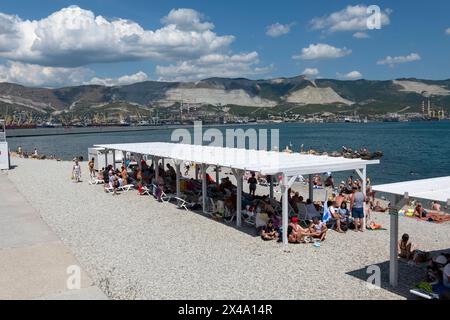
column 120, row 81
column 39, row 76
column 352, row 18
column 214, row 65
column 447, row 31
column 361, row 35
column 311, row 72
column 278, row 29
column 51, row 77
column 187, row 19
column 322, row 51
column 392, row 61
column 74, row 37
column 350, row 76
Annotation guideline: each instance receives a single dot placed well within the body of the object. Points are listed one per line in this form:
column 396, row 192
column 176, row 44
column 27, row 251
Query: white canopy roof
column 266, row 162
column 437, row 189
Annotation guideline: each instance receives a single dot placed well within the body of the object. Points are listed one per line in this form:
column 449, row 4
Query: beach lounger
column 145, row 191
column 109, row 189
column 126, row 188
column 96, row 182
column 183, row 204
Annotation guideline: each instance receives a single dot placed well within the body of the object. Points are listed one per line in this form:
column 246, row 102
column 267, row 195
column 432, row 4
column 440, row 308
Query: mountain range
column 297, row 94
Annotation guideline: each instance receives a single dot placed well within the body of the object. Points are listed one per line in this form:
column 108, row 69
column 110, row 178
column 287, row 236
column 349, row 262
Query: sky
column 51, row 43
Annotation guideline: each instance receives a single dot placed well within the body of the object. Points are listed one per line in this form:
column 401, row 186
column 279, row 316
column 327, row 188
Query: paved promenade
column 33, row 261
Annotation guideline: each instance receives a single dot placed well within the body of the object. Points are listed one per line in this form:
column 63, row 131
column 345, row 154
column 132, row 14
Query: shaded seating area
column 225, row 198
column 400, row 195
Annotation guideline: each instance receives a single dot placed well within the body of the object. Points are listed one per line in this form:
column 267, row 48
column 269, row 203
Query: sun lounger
column 96, row 182
column 183, row 204
column 126, row 188
column 109, row 189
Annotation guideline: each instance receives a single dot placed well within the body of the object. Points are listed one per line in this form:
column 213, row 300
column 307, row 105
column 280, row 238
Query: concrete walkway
column 33, row 261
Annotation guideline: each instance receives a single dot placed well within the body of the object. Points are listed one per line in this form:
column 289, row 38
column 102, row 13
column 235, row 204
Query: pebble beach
column 136, row 248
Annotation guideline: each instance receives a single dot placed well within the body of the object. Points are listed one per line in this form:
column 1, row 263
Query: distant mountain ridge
column 389, row 95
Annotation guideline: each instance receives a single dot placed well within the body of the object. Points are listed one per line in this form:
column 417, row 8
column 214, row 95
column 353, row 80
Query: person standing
column 91, row 164
column 76, row 172
column 357, row 200
column 252, row 182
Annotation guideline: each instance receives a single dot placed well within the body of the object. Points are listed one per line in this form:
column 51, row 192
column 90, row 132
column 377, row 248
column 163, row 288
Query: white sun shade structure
column 436, row 189
column 272, row 163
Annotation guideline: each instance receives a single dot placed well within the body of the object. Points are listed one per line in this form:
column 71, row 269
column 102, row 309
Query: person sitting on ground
column 406, row 249
column 268, row 232
column 298, row 234
column 335, row 216
column 252, row 182
column 318, row 229
column 435, row 206
column 344, row 213
column 378, row 208
column 100, row 174
column 419, row 211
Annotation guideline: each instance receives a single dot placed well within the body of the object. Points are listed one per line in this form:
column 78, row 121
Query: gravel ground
column 136, row 248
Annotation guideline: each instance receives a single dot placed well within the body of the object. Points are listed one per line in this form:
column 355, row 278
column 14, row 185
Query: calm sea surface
column 412, row 150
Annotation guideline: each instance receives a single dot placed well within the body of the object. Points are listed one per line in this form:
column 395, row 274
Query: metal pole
column 106, row 158
column 177, row 167
column 393, row 261
column 156, row 169
column 114, row 159
column 204, row 187
column 271, row 187
column 239, row 198
column 311, row 190
column 217, row 176
column 285, row 214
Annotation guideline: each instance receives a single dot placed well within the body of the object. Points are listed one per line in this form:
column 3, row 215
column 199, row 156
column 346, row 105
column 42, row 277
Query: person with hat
column 297, row 234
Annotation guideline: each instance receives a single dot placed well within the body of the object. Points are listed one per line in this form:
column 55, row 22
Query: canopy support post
column 311, row 190
column 393, row 262
column 217, row 176
column 114, row 159
column 271, row 187
column 156, row 167
column 204, row 186
column 177, row 169
column 285, row 206
column 106, row 158
column 239, row 174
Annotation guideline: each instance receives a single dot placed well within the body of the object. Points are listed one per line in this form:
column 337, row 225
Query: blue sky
column 220, row 38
